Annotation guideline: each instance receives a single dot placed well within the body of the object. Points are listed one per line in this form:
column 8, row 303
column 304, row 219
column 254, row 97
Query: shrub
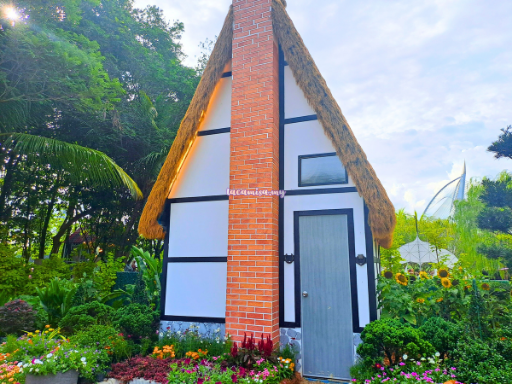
column 192, row 340
column 442, row 334
column 35, row 303
column 481, row 362
column 13, row 272
column 105, row 276
column 17, row 316
column 388, row 338
column 82, row 316
column 136, row 321
column 56, row 299
column 103, row 337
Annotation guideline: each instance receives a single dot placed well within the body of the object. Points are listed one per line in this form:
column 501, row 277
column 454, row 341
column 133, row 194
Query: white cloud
column 424, row 85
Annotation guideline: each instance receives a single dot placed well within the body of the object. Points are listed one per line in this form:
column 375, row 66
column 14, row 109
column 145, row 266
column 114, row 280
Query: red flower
column 233, row 378
column 234, row 350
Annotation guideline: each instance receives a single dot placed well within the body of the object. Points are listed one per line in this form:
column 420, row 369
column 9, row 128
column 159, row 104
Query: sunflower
column 388, row 275
column 401, row 279
column 439, row 300
column 486, row 287
column 420, row 300
column 424, row 275
column 412, row 278
column 455, row 282
column 443, row 273
column 446, row 283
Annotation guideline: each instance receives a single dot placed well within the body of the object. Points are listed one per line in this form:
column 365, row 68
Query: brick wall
column 252, row 301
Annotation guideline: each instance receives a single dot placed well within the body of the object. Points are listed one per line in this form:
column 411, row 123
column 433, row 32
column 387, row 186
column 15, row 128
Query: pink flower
column 29, row 276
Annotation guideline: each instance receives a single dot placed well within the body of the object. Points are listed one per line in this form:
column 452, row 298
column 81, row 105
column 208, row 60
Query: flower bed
column 251, row 362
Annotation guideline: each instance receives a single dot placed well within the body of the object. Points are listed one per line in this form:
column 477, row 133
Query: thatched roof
column 381, row 211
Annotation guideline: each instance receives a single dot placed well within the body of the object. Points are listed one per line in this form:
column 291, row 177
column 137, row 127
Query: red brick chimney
column 252, row 301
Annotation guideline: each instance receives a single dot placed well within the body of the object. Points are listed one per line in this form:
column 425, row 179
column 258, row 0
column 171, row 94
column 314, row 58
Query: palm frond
column 86, row 166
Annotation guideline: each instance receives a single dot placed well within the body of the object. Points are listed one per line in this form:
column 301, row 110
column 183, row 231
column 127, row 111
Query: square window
column 322, row 169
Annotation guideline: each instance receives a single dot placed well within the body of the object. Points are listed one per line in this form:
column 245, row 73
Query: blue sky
column 424, row 84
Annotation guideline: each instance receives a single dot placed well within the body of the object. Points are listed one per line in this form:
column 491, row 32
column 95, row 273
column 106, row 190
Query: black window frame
column 330, row 154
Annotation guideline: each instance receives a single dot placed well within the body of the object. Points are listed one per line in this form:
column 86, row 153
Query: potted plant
column 62, row 365
column 45, row 357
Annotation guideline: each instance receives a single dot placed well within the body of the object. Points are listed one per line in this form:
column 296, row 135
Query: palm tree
column 82, row 167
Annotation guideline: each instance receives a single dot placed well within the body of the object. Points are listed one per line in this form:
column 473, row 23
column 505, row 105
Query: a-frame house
column 300, row 268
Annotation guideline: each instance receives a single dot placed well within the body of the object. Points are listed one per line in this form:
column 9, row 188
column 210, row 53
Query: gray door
column 326, row 304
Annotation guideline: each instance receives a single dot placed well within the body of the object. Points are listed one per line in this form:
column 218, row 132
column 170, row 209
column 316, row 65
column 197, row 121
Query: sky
column 424, row 84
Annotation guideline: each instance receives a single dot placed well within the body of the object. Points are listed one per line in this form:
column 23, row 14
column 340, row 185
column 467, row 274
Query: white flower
column 217, row 330
column 404, row 357
column 20, row 364
column 83, row 359
column 422, row 359
column 37, row 369
column 179, row 332
column 37, row 361
column 438, row 354
column 31, row 369
column 49, row 355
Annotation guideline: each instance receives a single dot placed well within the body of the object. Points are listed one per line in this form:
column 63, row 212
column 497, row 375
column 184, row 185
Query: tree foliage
column 100, row 75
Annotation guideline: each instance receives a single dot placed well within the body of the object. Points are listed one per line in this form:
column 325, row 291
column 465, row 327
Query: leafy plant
column 442, row 334
column 139, row 367
column 151, row 269
column 105, row 276
column 251, row 351
column 17, row 316
column 56, row 299
column 104, row 338
column 83, row 316
column 136, row 322
column 391, row 340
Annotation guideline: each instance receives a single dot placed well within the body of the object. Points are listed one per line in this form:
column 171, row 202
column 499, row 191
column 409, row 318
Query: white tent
column 421, row 252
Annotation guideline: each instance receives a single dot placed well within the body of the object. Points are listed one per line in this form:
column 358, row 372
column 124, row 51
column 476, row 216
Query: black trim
column 300, row 119
column 320, row 191
column 282, row 323
column 372, row 290
column 163, row 276
column 351, row 254
column 220, row 320
column 214, row 131
column 227, row 74
column 198, row 199
column 213, row 259
column 331, row 154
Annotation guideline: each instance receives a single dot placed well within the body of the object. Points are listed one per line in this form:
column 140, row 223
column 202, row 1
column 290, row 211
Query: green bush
column 388, row 338
column 480, row 362
column 17, row 316
column 442, row 334
column 14, row 273
column 103, row 337
column 80, row 317
column 137, row 322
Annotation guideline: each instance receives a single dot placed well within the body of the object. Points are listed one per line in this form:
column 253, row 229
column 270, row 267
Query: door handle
column 305, row 294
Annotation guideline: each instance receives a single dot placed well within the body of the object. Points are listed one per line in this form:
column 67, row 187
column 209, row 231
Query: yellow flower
column 401, row 279
column 424, row 275
column 46, row 326
column 443, row 273
column 439, row 300
column 51, row 329
column 420, row 300
column 388, row 275
column 446, row 283
column 37, row 331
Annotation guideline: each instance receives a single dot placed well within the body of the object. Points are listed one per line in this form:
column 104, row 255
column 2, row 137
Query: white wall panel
column 295, row 104
column 199, row 229
column 306, row 138
column 321, row 202
column 218, row 113
column 289, row 292
column 196, row 289
column 206, row 168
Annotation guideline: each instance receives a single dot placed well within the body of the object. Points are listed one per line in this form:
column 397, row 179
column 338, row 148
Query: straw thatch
column 381, row 211
column 220, row 56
